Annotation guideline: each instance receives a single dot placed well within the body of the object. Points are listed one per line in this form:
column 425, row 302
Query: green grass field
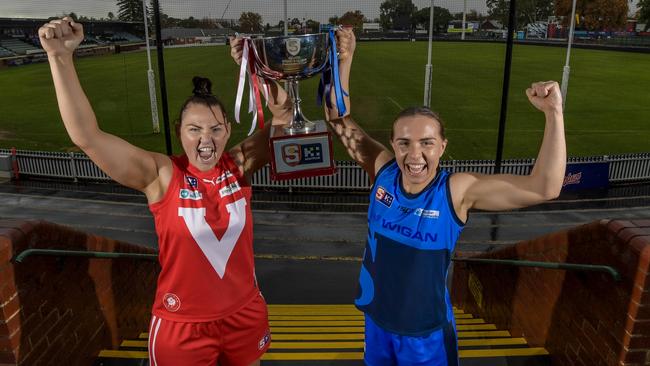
column 607, row 111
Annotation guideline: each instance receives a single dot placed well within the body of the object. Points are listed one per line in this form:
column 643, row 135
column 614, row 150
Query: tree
column 250, row 22
column 595, row 14
column 312, row 26
column 644, row 13
column 397, row 14
column 130, row 10
column 333, row 20
column 111, row 15
column 528, row 11
column 441, row 17
column 295, row 22
column 353, row 18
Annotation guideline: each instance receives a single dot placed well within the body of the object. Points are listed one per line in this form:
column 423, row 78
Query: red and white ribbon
column 247, row 68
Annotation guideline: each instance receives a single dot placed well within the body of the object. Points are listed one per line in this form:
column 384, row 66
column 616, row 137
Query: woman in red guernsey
column 208, row 308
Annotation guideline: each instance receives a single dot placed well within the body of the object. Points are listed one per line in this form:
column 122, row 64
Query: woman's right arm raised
column 123, row 162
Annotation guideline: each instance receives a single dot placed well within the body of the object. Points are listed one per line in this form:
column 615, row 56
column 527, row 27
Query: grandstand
column 5, row 52
column 18, row 47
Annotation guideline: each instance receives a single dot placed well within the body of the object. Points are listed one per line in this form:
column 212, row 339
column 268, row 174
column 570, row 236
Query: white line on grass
column 395, row 102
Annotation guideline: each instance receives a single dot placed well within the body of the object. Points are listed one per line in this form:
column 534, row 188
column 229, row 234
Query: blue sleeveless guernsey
column 411, row 238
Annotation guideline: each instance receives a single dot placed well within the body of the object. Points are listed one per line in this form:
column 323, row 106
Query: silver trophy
column 292, row 58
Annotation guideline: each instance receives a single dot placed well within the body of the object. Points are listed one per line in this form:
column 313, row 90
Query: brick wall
column 62, row 311
column 582, row 318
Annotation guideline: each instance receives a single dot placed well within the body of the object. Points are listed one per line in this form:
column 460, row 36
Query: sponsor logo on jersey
column 383, row 196
column 187, row 194
column 229, row 189
column 427, row 214
column 216, row 180
column 193, row 182
column 172, row 302
column 409, row 232
column 266, row 339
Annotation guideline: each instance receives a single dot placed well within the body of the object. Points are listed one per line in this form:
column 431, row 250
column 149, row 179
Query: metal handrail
column 19, row 258
column 80, row 253
column 548, row 265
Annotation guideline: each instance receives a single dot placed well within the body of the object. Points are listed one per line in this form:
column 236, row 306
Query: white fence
column 349, row 176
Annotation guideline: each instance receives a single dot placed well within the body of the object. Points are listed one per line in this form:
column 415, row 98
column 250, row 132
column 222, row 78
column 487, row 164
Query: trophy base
column 301, row 155
column 307, row 127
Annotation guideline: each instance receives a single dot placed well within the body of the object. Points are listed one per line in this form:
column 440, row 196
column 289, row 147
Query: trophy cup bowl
column 292, row 58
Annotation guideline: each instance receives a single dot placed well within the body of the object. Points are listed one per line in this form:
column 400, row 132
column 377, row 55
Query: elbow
column 81, row 142
column 552, row 191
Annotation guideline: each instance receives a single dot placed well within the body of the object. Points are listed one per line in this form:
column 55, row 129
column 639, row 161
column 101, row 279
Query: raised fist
column 346, row 43
column 545, row 96
column 61, row 36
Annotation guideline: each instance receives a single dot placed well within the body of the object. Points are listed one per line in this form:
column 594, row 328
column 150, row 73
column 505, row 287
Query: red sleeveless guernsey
column 205, row 238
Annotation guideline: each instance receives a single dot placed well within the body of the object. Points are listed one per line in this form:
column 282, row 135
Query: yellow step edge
column 359, row 335
column 276, row 345
column 316, row 317
column 277, row 356
column 502, row 352
column 316, row 345
column 312, row 356
column 318, row 336
column 483, row 334
column 304, row 323
column 476, row 327
column 123, row 354
column 463, row 316
column 491, row 342
column 335, row 337
column 134, row 344
column 317, row 330
column 315, row 312
column 315, row 323
column 470, row 321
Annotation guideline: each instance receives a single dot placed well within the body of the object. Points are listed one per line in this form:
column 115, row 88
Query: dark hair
column 419, row 111
column 201, row 94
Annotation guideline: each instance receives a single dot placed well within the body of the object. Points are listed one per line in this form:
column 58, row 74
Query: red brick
column 615, row 226
column 635, row 356
column 7, row 291
column 628, row 233
column 639, row 312
column 9, row 308
column 10, row 326
column 642, row 223
column 638, row 327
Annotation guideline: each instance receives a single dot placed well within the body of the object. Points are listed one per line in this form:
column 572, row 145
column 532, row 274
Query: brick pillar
column 62, row 311
column 581, row 318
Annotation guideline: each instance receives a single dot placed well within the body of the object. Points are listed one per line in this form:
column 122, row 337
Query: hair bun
column 202, row 86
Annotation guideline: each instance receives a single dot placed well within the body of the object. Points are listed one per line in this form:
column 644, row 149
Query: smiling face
column 418, row 146
column 203, row 132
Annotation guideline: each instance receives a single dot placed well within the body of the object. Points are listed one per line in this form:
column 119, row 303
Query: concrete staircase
column 333, row 335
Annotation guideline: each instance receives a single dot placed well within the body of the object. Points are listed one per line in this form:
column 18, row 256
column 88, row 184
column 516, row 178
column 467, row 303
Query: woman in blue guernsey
column 417, row 212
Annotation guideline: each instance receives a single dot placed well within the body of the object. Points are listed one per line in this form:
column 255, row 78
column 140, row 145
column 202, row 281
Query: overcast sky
column 271, row 10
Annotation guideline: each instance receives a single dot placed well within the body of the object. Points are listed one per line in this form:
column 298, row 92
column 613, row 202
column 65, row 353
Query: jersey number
column 216, row 251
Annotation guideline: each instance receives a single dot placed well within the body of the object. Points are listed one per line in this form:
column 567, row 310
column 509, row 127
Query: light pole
column 428, row 71
column 462, row 35
column 150, row 75
column 567, row 68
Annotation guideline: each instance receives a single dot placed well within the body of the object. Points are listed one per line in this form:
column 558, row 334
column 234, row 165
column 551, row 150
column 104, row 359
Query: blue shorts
column 384, row 348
